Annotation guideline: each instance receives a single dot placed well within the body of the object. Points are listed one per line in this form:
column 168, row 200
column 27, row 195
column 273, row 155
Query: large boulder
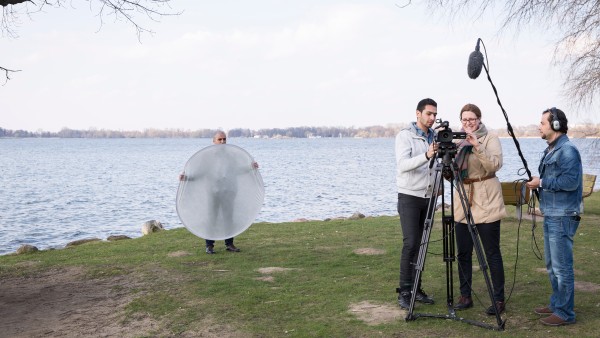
column 151, row 226
column 26, row 248
column 356, row 215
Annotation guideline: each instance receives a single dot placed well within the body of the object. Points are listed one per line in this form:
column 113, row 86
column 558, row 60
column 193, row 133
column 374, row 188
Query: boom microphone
column 473, row 70
column 475, row 62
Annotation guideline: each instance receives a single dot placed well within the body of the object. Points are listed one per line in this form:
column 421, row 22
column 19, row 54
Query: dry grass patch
column 369, row 251
column 62, row 302
column 178, row 254
column 586, row 286
column 270, row 270
column 375, row 314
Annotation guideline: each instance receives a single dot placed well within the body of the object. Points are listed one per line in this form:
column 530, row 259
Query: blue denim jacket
column 561, row 172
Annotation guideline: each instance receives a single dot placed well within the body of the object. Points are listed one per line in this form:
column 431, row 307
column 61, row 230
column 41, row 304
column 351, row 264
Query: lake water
column 53, row 191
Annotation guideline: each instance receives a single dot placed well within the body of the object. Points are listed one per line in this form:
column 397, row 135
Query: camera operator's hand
column 432, row 149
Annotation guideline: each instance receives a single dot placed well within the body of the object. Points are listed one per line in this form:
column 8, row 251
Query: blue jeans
column 558, row 251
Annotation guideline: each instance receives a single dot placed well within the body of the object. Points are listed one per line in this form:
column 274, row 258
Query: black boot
column 404, row 299
column 423, row 298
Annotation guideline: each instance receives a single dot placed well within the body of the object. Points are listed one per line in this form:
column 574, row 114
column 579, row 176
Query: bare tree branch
column 576, row 23
column 7, row 74
column 127, row 10
column 5, row 3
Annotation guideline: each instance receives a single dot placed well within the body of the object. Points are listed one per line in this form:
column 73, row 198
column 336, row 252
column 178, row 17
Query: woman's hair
column 471, row 107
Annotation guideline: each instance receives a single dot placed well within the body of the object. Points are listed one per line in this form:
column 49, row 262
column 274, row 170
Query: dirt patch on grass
column 64, row 303
column 586, row 286
column 369, row 251
column 178, row 254
column 266, row 272
column 579, row 285
column 375, row 314
column 270, row 270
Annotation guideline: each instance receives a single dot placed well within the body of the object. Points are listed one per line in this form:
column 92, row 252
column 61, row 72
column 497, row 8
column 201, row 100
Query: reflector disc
column 222, row 193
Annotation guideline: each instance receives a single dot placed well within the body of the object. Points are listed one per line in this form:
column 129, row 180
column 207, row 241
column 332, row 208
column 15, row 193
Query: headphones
column 555, row 124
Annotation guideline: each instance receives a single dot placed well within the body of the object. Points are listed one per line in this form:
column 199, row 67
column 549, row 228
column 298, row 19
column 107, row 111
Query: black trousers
column 210, row 242
column 489, row 233
column 412, row 211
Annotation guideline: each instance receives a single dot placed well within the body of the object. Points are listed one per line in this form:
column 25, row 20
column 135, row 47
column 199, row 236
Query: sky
column 270, row 64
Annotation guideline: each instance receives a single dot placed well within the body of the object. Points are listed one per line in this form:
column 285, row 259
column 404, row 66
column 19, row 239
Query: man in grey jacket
column 415, row 147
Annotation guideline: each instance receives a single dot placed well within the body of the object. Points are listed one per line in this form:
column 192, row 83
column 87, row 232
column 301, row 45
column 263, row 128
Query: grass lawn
column 319, row 278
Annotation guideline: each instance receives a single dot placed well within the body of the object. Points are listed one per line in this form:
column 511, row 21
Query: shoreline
column 148, row 228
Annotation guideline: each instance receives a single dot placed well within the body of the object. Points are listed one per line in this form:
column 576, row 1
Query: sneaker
column 544, row 311
column 464, row 302
column 423, row 298
column 232, row 248
column 210, row 249
column 555, row 320
column 404, row 299
column 491, row 311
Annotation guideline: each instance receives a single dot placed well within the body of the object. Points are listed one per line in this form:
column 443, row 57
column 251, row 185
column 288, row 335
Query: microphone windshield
column 475, row 64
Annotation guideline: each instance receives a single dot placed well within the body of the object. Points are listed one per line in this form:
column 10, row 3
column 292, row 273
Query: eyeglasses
column 468, row 120
column 222, row 139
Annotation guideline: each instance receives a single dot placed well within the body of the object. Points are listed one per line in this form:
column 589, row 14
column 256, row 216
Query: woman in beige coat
column 478, row 159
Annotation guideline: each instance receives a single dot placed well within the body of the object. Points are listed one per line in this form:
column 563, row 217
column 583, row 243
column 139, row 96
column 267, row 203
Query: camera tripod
column 447, row 168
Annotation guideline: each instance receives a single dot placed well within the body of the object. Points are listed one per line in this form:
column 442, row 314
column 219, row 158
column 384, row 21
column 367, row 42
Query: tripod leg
column 449, row 257
column 438, row 184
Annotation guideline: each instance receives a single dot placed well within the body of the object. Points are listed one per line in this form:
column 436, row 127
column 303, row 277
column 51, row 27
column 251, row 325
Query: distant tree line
column 588, row 130
column 307, row 132
column 292, row 132
column 576, row 131
column 106, row 133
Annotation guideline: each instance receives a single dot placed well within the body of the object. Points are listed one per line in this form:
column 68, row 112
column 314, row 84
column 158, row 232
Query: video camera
column 446, row 148
column 446, row 135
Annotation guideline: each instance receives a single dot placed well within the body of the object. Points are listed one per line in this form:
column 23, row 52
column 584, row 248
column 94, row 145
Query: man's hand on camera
column 432, row 149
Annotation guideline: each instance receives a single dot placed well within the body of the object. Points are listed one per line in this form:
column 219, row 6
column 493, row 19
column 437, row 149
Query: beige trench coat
column 487, row 204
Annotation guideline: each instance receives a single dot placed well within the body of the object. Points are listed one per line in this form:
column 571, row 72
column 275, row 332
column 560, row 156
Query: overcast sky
column 268, row 63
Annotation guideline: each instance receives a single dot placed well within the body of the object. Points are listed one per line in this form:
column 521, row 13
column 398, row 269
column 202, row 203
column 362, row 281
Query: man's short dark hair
column 425, row 102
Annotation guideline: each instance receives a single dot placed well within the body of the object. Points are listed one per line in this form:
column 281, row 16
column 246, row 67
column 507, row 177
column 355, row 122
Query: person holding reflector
column 220, row 193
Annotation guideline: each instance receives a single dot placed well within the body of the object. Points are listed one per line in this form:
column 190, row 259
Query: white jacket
column 413, row 175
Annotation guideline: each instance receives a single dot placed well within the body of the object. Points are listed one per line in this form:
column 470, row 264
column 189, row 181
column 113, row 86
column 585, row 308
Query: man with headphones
column 560, row 186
